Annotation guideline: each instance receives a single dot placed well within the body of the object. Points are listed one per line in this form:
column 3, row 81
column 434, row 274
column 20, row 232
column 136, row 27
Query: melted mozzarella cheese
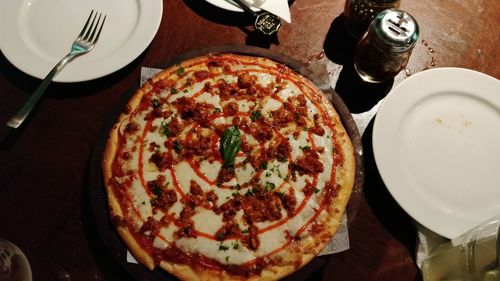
column 290, row 90
column 244, row 173
column 270, row 105
column 264, row 79
column 168, row 233
column 272, row 240
column 207, row 221
column 159, row 243
column 176, row 208
column 210, row 170
column 224, row 252
column 274, row 175
column 245, row 105
column 238, row 218
column 224, row 195
column 298, row 221
column 185, row 174
column 140, row 200
column 326, row 156
column 298, row 144
column 210, row 99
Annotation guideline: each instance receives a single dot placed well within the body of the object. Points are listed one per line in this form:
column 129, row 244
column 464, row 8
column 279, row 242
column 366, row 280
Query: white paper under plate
column 436, row 142
column 36, row 34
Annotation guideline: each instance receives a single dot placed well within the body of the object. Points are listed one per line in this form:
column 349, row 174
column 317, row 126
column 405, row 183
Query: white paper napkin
column 276, row 7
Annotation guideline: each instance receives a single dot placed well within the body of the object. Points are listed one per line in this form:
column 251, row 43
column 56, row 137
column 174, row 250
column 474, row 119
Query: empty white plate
column 36, row 34
column 436, row 142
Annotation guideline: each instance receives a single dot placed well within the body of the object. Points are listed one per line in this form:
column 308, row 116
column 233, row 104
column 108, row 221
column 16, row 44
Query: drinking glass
column 472, row 256
column 13, row 263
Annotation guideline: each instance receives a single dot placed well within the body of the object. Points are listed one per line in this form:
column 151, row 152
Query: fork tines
column 88, row 32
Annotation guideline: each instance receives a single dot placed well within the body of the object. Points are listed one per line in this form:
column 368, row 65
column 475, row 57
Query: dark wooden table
column 44, row 166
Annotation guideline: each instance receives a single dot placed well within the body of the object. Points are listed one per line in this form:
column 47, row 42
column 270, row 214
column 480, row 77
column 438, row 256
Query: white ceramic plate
column 436, row 142
column 36, row 34
column 228, row 5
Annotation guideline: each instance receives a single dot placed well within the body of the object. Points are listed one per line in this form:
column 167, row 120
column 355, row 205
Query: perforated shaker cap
column 396, row 28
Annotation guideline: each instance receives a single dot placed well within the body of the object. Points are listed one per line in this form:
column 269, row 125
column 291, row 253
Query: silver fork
column 85, row 42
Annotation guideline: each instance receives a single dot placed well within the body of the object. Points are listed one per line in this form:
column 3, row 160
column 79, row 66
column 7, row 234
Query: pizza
column 227, row 167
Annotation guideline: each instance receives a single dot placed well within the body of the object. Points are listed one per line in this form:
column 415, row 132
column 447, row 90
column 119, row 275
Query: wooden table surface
column 44, row 165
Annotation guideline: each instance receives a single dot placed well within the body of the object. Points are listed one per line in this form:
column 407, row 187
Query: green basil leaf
column 230, row 145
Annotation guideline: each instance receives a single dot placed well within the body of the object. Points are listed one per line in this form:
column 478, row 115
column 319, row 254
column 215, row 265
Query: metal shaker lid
column 397, row 28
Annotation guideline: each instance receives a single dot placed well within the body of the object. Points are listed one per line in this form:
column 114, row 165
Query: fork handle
column 18, row 119
column 246, row 7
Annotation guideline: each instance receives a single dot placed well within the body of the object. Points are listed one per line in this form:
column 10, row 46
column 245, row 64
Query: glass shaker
column 384, row 50
column 360, row 13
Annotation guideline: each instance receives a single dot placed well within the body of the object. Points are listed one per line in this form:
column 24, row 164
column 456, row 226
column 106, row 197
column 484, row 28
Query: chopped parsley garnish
column 143, row 203
column 269, row 186
column 217, row 110
column 236, row 245
column 177, row 146
column 227, row 258
column 221, row 236
column 164, row 130
column 223, row 247
column 180, row 71
column 234, row 194
column 304, row 148
column 186, row 230
column 276, row 169
column 185, row 90
column 255, row 115
column 251, row 192
column 263, row 165
column 316, row 190
column 174, row 91
column 245, row 231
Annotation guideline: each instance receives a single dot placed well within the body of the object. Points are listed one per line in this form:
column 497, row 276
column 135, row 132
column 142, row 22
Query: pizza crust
column 302, row 251
column 115, row 209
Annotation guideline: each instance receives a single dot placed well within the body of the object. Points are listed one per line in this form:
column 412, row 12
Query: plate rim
column 140, row 38
column 435, row 223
